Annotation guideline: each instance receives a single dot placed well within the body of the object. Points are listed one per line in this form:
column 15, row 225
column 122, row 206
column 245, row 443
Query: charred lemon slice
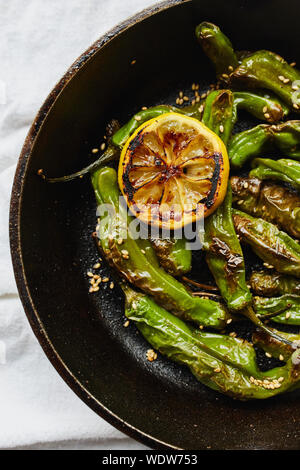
column 173, row 170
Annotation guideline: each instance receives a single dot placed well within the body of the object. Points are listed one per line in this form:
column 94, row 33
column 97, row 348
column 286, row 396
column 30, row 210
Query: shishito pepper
column 285, row 169
column 277, row 349
column 220, row 113
column 263, row 106
column 225, row 364
column 135, row 259
column 251, row 143
column 271, row 284
column 173, row 255
column 264, row 69
column 270, row 201
column 273, row 246
column 284, row 309
column 225, row 257
column 217, row 47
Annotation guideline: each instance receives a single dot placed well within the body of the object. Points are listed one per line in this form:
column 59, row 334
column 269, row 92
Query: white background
column 39, row 40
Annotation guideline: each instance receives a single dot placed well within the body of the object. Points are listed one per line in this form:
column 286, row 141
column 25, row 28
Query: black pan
column 158, row 403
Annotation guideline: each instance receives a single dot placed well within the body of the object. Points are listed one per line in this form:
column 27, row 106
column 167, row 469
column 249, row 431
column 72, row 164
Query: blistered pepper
column 284, row 309
column 277, row 349
column 173, row 255
column 284, row 137
column 225, row 257
column 280, row 170
column 264, row 69
column 263, row 106
column 217, row 47
column 270, row 201
column 220, row 113
column 135, row 260
column 223, row 363
column 273, row 246
column 271, row 284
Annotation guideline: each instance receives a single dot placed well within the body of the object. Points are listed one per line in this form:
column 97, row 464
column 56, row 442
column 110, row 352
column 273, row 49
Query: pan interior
column 160, row 399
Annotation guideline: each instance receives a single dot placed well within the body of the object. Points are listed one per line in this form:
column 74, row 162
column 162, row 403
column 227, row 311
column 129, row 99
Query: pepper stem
column 109, row 155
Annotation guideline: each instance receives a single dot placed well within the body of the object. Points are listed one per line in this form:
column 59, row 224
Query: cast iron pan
column 158, row 403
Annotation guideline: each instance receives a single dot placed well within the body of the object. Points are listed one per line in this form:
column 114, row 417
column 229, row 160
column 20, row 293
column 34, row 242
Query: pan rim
column 15, row 235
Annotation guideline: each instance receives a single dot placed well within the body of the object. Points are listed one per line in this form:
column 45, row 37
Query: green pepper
column 264, row 69
column 282, row 170
column 273, row 246
column 217, row 47
column 284, row 309
column 225, row 257
column 262, row 138
column 277, row 349
column 225, row 364
column 273, row 284
column 270, row 201
column 219, row 113
column 123, row 134
column 263, row 106
column 173, row 255
column 135, row 259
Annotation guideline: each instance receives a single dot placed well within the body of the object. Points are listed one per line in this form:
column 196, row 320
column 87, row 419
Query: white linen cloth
column 37, row 409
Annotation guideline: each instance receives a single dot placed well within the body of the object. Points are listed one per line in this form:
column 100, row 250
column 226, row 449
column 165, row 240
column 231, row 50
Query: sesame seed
column 105, row 279
column 186, row 98
column 203, row 95
column 143, row 251
column 268, row 354
column 295, row 87
column 177, row 100
column 221, row 128
column 230, row 68
column 97, row 266
column 265, row 109
column 120, row 241
column 102, row 146
column 144, row 108
column 217, row 369
column 133, row 62
column 137, row 118
column 281, row 358
column 111, row 285
column 224, row 75
column 96, row 289
column 240, row 202
column 267, row 115
column 126, row 324
column 95, row 150
column 181, row 94
column 151, row 355
column 229, row 321
column 286, row 80
column 134, row 306
column 124, row 252
column 281, row 379
column 287, row 315
column 201, row 107
column 197, row 99
column 281, row 77
column 90, row 274
column 201, row 327
column 292, row 64
column 296, row 106
column 246, row 184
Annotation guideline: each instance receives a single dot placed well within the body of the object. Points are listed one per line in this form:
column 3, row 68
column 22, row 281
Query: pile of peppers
column 261, row 210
